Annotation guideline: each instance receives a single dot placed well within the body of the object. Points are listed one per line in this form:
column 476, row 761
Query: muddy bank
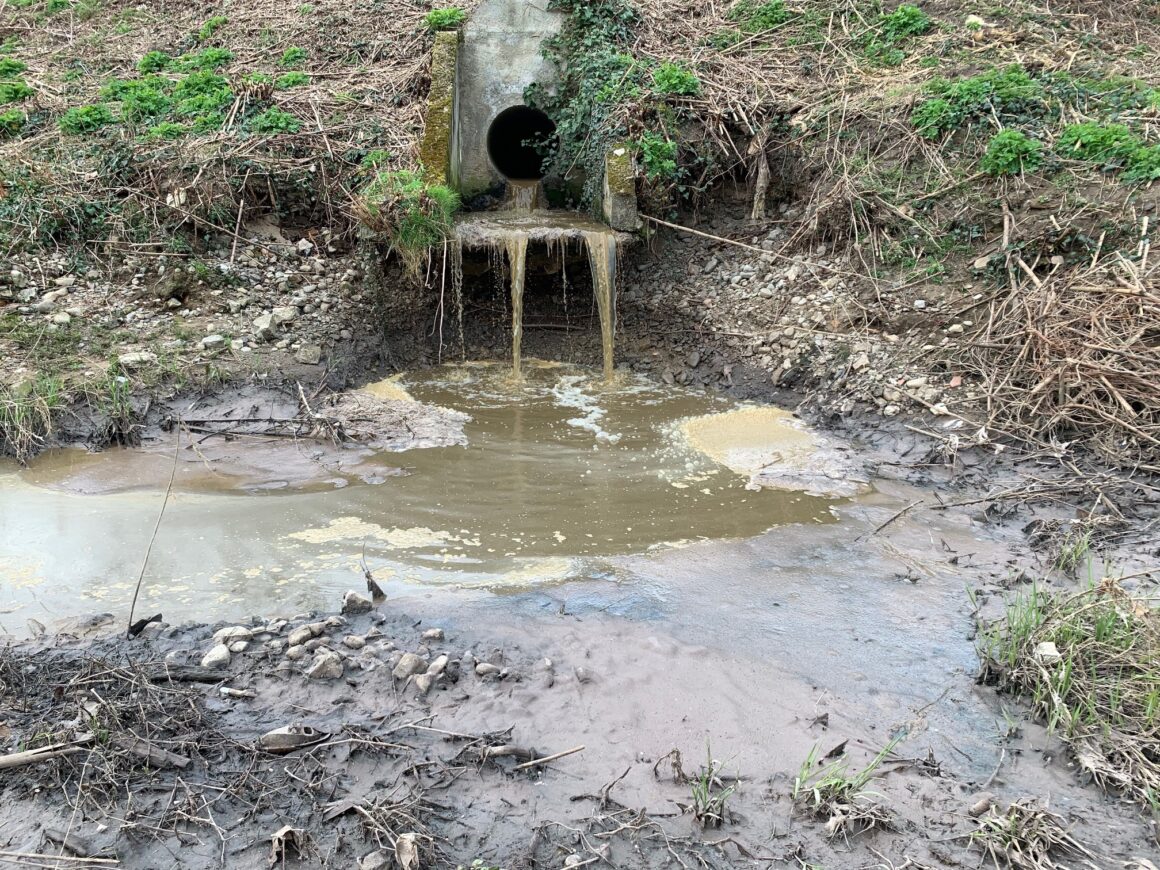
column 714, row 649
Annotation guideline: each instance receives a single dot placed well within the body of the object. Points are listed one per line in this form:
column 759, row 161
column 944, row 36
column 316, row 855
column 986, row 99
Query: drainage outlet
column 512, row 140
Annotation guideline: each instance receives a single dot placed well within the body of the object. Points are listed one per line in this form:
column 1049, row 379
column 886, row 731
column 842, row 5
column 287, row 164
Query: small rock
column 915, row 383
column 710, row 266
column 66, row 281
column 264, row 327
column 437, row 666
column 433, row 634
column 982, row 803
column 309, row 355
column 409, row 665
column 284, row 314
column 891, row 411
column 375, row 860
column 232, row 633
column 486, row 669
column 353, row 603
column 300, row 635
column 239, row 646
column 1047, row 652
column 136, row 359
column 294, row 653
column 353, row 641
column 218, row 657
column 305, row 247
column 955, row 329
column 213, row 342
column 326, row 666
column 583, row 675
column 919, row 304
column 423, row 683
column 62, row 318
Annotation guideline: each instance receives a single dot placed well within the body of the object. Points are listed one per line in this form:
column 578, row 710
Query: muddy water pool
column 560, row 473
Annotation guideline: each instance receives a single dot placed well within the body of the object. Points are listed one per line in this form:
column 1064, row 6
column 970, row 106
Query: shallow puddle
column 560, row 472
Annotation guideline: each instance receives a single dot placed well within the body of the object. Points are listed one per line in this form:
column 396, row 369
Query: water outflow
column 507, row 234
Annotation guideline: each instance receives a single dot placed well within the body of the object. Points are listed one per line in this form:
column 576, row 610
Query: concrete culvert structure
column 512, row 139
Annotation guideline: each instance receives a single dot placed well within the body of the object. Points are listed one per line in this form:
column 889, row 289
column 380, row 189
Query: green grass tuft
column 448, row 18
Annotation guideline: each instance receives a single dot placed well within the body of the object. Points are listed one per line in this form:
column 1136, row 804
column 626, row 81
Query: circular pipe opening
column 512, row 139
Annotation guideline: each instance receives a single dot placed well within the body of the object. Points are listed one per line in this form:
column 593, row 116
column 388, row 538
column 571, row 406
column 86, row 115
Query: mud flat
column 408, row 721
column 525, row 695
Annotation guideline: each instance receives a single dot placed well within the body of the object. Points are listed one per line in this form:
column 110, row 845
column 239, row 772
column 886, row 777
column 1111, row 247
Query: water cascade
column 517, row 251
column 509, row 232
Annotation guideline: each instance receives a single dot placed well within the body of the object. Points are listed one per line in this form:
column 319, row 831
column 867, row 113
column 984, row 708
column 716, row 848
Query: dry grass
column 1027, row 837
column 1074, row 355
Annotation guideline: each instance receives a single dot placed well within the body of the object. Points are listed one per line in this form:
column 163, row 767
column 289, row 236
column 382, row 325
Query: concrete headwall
column 500, row 56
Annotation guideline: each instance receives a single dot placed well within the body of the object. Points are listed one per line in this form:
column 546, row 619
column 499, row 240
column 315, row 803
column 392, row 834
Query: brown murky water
column 561, row 471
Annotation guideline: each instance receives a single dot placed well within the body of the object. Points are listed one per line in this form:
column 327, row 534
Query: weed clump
column 27, row 410
column 834, row 794
column 14, row 92
column 411, row 214
column 658, row 154
column 86, row 119
column 1012, row 152
column 1090, row 664
column 11, row 123
column 672, row 79
column 274, row 120
column 293, row 56
column 291, row 80
column 448, row 18
column 883, row 45
column 1008, row 94
column 10, row 68
column 755, row 17
column 211, row 26
column 154, row 61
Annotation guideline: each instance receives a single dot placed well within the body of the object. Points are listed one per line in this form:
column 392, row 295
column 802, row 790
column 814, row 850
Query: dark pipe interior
column 511, row 141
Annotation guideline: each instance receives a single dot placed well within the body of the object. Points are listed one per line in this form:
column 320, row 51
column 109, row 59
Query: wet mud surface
column 809, row 624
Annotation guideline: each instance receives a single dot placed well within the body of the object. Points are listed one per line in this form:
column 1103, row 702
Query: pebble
column 437, row 667
column 136, row 359
column 353, row 641
column 213, row 342
column 326, row 666
column 294, row 653
column 217, row 658
column 353, row 603
column 423, row 682
column 433, row 634
column 239, row 646
column 409, row 665
column 300, row 635
column 309, row 355
column 232, row 633
column 486, row 669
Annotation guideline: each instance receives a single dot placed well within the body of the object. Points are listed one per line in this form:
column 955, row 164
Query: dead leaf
column 283, row 839
column 407, row 851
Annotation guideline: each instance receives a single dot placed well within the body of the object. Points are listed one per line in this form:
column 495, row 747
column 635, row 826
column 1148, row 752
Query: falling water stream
column 510, row 231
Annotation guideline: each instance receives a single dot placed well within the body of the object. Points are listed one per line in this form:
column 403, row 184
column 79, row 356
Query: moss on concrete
column 435, row 149
column 619, row 171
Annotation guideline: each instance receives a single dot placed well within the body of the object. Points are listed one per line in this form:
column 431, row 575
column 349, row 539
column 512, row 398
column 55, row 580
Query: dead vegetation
column 1087, row 661
column 1073, row 355
column 1027, row 837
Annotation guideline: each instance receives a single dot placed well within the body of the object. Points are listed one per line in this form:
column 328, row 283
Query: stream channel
column 616, row 526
